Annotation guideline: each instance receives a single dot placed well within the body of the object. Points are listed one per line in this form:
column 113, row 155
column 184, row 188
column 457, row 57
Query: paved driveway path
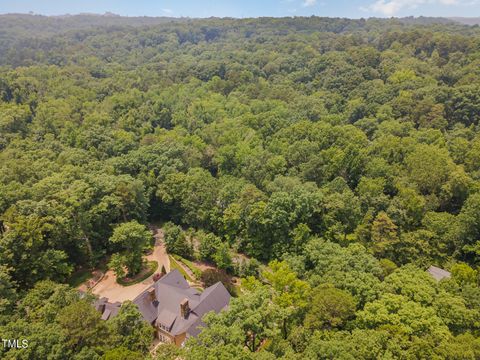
column 109, row 288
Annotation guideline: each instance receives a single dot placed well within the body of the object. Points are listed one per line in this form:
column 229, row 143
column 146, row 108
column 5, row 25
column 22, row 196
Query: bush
column 147, row 271
column 222, row 257
column 247, row 267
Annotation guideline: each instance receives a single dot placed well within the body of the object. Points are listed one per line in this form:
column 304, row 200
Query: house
column 107, row 309
column 438, row 274
column 176, row 310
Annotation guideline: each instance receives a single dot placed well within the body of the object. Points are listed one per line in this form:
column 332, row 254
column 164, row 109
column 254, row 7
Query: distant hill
column 423, row 20
column 466, row 20
column 50, row 25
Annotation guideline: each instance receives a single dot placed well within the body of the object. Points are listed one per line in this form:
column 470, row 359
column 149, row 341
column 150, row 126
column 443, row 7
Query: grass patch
column 146, row 272
column 193, row 268
column 175, row 265
column 79, row 277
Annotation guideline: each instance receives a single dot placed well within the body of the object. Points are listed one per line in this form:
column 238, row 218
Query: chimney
column 151, row 294
column 184, row 308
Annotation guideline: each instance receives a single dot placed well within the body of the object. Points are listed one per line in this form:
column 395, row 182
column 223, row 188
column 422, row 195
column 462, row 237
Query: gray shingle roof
column 174, row 278
column 166, row 318
column 164, row 307
column 216, row 297
column 99, row 304
column 110, row 310
column 170, row 291
column 106, row 314
column 146, row 306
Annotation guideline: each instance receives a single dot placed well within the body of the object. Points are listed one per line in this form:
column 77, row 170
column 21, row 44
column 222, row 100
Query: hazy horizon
column 249, row 8
column 112, row 14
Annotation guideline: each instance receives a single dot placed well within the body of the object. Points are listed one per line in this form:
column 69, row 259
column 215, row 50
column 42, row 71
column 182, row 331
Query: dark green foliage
column 130, row 330
column 209, row 245
column 82, row 326
column 176, row 240
column 60, row 325
column 211, row 276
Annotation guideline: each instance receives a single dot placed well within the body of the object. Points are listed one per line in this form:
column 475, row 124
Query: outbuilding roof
column 438, row 274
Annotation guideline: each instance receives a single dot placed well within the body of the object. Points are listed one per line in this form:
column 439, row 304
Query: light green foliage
column 455, row 313
column 168, row 352
column 122, row 353
column 361, row 344
column 402, row 316
column 290, row 293
column 429, row 168
column 411, row 282
column 117, row 264
column 352, row 269
column 371, row 193
column 249, row 320
column 464, row 274
column 26, row 251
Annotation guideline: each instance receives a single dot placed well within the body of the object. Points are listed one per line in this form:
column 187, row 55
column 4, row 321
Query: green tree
column 290, row 293
column 384, row 234
column 176, row 240
column 329, row 308
column 117, row 264
column 223, row 258
column 129, row 329
column 209, row 245
column 82, row 325
column 403, row 316
column 464, row 274
column 131, row 239
column 8, row 294
column 429, row 168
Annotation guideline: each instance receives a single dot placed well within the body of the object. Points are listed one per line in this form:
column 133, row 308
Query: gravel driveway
column 109, row 288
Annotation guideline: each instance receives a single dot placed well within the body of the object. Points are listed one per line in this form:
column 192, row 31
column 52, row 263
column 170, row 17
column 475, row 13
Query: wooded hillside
column 341, row 157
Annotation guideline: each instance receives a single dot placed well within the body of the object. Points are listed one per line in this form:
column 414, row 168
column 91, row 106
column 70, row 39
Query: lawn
column 175, row 265
column 193, row 268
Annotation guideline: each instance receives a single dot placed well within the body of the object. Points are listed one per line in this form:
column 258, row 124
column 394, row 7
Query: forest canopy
column 340, row 157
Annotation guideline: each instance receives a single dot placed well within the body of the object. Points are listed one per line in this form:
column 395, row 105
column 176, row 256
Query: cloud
column 167, row 11
column 309, row 3
column 392, row 7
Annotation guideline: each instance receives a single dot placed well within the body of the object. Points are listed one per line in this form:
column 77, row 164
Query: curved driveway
column 109, row 288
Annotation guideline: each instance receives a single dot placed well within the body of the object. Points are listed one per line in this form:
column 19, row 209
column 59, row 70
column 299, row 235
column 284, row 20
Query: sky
column 248, row 8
